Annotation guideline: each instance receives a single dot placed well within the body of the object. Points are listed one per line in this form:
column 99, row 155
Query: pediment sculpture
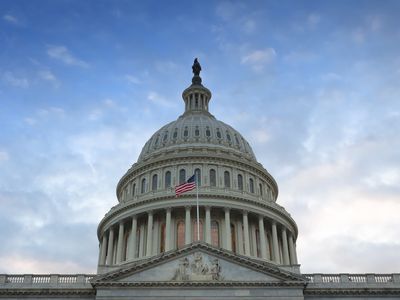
column 197, row 268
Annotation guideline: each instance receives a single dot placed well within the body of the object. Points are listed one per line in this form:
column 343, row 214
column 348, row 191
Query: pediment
column 199, row 263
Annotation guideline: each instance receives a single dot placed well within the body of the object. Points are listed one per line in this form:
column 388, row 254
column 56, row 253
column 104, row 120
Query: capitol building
column 227, row 238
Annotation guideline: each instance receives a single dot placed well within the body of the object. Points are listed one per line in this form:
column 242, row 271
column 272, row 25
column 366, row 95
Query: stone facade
column 228, row 238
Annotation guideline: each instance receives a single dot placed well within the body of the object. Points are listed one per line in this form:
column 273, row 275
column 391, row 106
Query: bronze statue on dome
column 196, row 67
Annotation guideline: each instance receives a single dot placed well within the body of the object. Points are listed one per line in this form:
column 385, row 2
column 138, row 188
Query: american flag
column 187, row 186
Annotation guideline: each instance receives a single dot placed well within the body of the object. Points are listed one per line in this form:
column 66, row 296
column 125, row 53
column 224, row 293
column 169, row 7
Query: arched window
column 218, row 134
column 165, row 136
column 213, row 178
column 182, row 176
column 197, row 172
column 154, row 182
column 208, row 132
column 162, row 238
column 167, row 179
column 175, row 133
column 143, row 186
column 197, row 132
column 185, row 132
column 261, row 189
column 240, row 182
column 133, row 189
column 233, row 238
column 180, row 238
column 200, row 230
column 227, row 179
column 215, row 233
column 228, row 137
column 251, row 185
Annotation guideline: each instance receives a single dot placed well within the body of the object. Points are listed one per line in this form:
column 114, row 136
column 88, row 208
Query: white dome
column 196, row 129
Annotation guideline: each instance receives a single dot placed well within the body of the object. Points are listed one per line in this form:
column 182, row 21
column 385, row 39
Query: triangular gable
column 199, row 262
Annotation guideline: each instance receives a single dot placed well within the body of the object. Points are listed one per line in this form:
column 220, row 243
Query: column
column 228, row 239
column 103, row 250
column 275, row 245
column 285, row 248
column 149, row 234
column 293, row 256
column 133, row 241
column 263, row 245
column 246, row 234
column 168, row 229
column 120, row 245
column 110, row 246
column 208, row 225
column 188, row 227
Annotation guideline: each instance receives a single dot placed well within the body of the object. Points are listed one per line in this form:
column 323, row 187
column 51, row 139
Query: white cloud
column 165, row 66
column 10, row 19
column 62, row 53
column 30, row 121
column 158, row 99
column 132, row 79
column 11, row 79
column 313, row 19
column 47, row 75
column 249, row 25
column 257, row 59
column 4, row 155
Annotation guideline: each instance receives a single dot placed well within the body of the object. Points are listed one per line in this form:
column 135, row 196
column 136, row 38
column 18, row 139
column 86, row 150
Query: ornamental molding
column 46, row 291
column 365, row 291
column 278, row 210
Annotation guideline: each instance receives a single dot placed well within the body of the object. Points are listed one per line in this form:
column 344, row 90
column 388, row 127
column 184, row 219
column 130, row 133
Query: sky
column 312, row 85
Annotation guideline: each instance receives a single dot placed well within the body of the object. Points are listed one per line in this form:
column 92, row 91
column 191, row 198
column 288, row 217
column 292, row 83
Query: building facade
column 228, row 238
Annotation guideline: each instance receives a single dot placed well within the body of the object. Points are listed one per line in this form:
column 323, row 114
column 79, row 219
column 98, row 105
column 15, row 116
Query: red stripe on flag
column 184, row 187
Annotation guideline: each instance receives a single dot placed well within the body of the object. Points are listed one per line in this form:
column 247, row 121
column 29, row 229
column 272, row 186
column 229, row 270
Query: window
column 186, row 132
column 197, row 132
column 213, row 179
column 133, row 189
column 167, row 179
column 215, row 233
column 154, row 182
column 237, row 140
column 180, row 230
column 240, row 182
column 182, row 176
column 228, row 137
column 197, row 172
column 143, row 186
column 156, row 142
column 227, row 179
column 261, row 189
column 165, row 136
column 175, row 133
column 218, row 134
column 200, row 230
column 251, row 185
column 208, row 132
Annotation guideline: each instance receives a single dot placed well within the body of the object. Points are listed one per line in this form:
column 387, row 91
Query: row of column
column 289, row 256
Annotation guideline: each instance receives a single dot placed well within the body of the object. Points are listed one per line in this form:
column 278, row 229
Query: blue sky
column 313, row 86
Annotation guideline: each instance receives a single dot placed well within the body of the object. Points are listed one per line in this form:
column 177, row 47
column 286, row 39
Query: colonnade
column 239, row 231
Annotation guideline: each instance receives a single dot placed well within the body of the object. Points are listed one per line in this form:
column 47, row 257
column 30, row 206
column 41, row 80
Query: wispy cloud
column 62, row 53
column 47, row 75
column 133, row 79
column 11, row 19
column 158, row 99
column 4, row 155
column 257, row 59
column 11, row 79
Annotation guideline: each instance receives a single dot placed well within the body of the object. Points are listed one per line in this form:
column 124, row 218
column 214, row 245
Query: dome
column 196, row 130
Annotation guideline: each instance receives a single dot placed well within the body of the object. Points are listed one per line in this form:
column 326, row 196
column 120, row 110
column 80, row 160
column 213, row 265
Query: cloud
column 158, row 99
column 257, row 59
column 11, row 19
column 62, row 53
column 4, row 155
column 133, row 79
column 165, row 66
column 47, row 75
column 11, row 79
column 313, row 20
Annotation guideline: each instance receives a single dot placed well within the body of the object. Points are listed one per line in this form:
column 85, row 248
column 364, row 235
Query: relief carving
column 195, row 268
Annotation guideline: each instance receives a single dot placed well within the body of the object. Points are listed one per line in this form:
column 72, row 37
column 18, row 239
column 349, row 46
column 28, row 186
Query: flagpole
column 197, row 207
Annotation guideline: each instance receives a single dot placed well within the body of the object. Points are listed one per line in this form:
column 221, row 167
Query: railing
column 52, row 279
column 353, row 278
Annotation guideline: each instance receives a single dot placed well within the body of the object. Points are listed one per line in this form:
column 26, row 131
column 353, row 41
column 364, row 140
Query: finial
column 196, row 68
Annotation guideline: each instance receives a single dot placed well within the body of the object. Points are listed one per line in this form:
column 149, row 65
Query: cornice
column 46, row 291
column 365, row 291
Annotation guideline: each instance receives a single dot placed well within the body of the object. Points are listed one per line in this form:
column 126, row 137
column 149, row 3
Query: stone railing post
column 2, row 279
column 370, row 278
column 27, row 279
column 344, row 278
column 396, row 278
column 80, row 279
column 54, row 279
column 317, row 278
